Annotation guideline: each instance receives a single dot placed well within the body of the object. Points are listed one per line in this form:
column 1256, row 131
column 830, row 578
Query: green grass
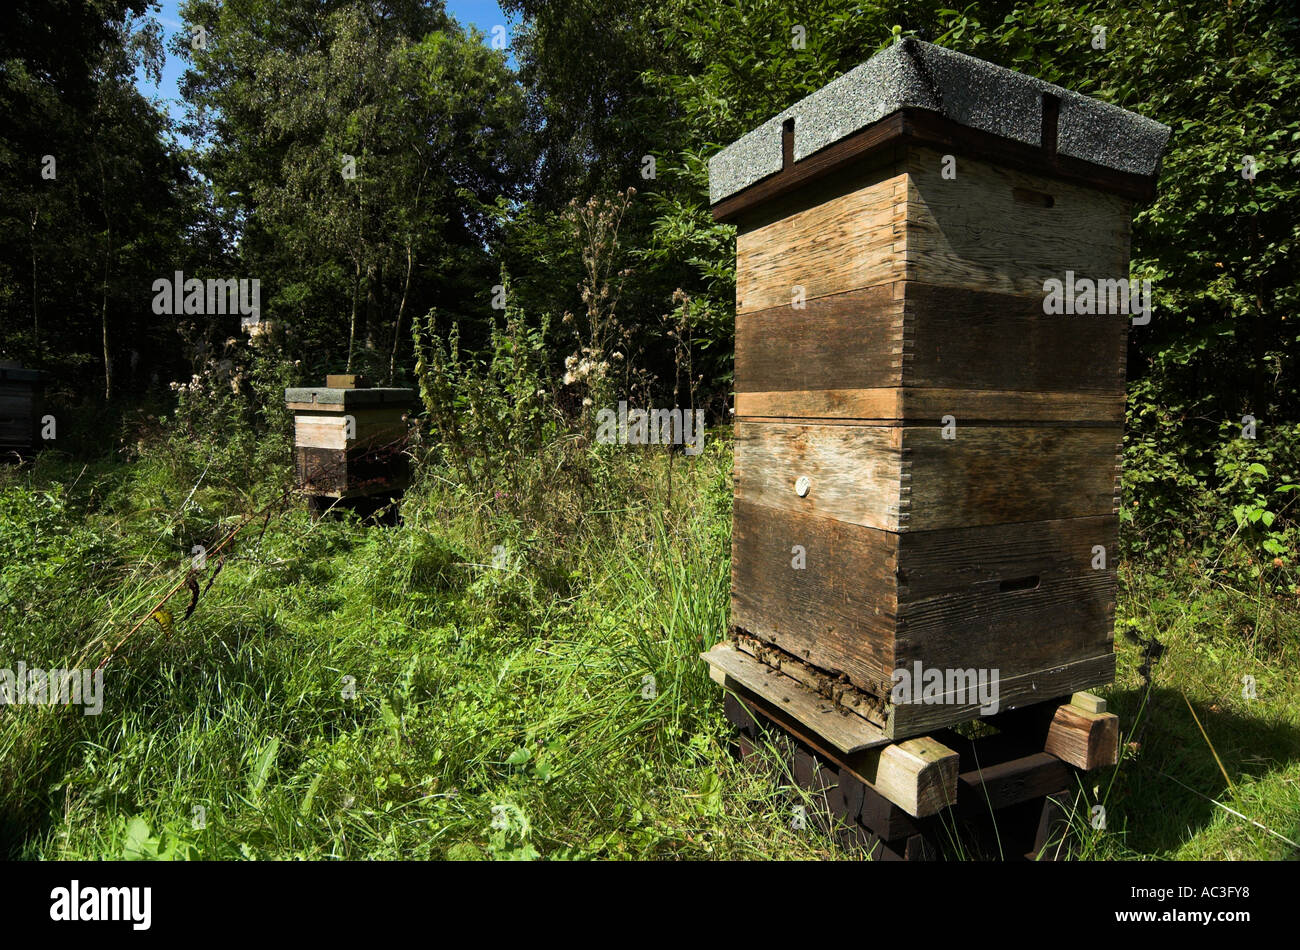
column 476, row 683
column 1214, row 634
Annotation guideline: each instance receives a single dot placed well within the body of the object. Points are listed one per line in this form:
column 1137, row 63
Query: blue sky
column 484, row 14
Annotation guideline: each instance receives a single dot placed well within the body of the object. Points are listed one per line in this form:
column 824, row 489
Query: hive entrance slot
column 1029, row 196
column 1019, row 583
column 1051, row 119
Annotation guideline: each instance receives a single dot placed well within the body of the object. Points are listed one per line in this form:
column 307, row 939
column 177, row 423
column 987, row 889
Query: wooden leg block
column 835, row 803
column 1013, row 790
column 883, row 818
column 920, row 775
column 750, row 755
column 821, row 780
column 1083, row 739
column 739, row 715
column 1009, row 783
column 812, row 774
column 1068, row 729
column 846, row 801
column 912, row 848
column 1052, row 840
column 916, row 847
column 854, row 837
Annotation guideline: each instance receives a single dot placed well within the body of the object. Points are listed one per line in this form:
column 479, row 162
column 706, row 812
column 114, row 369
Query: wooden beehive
column 894, row 234
column 350, row 442
column 21, row 408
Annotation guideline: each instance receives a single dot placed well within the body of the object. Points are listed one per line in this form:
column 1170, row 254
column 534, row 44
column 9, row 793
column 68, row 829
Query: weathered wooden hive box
column 939, row 452
column 21, row 407
column 350, row 442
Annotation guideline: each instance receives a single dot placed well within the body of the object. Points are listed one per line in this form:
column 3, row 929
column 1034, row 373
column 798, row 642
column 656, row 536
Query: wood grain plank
column 846, row 732
column 838, row 612
column 855, row 471
column 914, row 719
column 920, row 336
column 962, row 603
column 851, row 340
column 972, row 231
column 844, row 243
column 330, row 430
column 910, row 478
column 1003, row 474
column 893, row 406
column 868, row 602
column 1009, row 783
column 976, row 339
column 937, row 563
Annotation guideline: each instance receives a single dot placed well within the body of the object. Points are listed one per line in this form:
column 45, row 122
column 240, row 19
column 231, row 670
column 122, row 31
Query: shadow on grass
column 1161, row 746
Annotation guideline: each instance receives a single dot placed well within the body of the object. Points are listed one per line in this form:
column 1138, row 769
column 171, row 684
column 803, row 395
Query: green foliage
column 493, row 412
column 230, row 422
column 94, row 202
column 362, row 148
column 484, row 692
column 500, row 711
column 45, row 546
column 170, row 844
column 472, row 682
column 1220, row 250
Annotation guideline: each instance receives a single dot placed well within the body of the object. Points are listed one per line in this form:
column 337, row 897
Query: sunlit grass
column 346, row 691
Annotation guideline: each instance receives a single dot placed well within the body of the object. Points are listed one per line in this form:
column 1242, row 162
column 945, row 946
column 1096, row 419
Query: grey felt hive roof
column 334, row 399
column 969, row 91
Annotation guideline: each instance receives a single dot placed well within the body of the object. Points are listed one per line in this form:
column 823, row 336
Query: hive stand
column 1010, row 794
column 926, row 457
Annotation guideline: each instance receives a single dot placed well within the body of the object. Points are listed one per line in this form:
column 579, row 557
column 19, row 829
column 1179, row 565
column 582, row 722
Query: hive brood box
column 894, row 233
column 350, row 442
column 21, row 407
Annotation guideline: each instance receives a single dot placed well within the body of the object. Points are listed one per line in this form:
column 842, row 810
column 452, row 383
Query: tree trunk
column 103, row 322
column 103, row 300
column 401, row 311
column 36, row 301
column 352, row 328
column 372, row 305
